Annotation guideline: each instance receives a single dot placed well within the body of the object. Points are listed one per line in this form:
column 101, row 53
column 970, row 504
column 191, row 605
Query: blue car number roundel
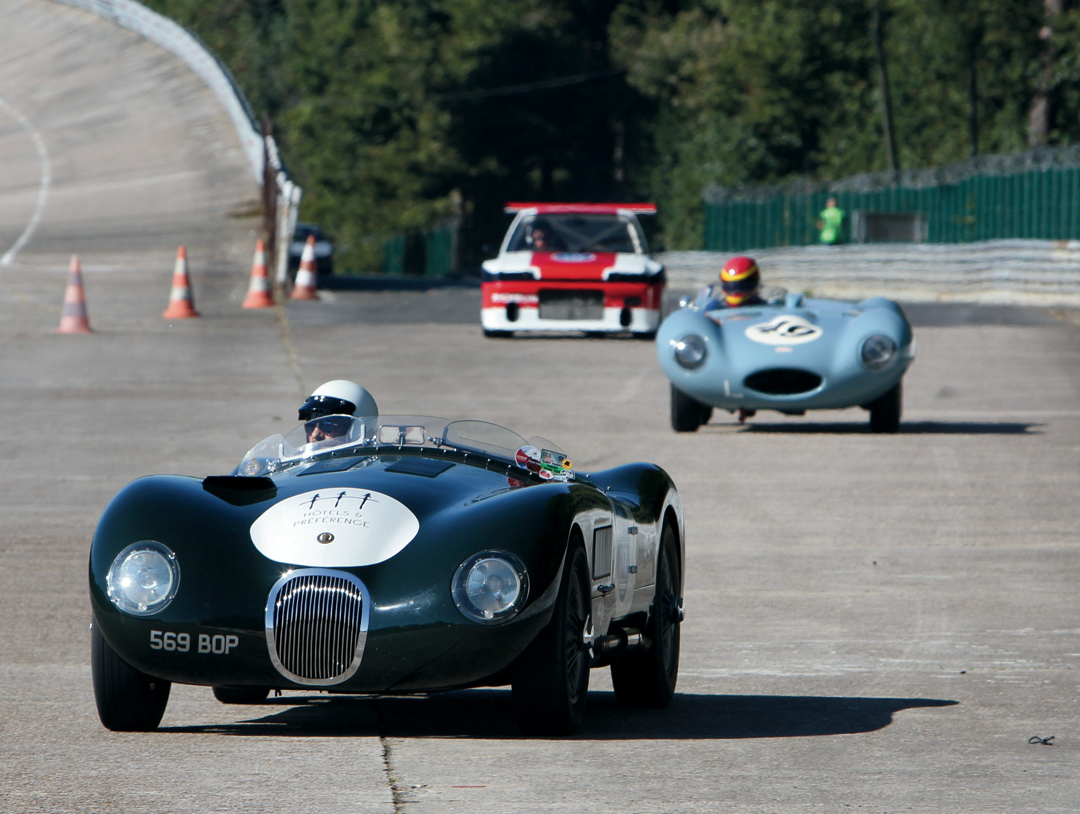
column 786, row 329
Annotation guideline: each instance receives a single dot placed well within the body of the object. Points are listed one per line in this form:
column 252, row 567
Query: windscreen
column 578, row 233
column 338, row 435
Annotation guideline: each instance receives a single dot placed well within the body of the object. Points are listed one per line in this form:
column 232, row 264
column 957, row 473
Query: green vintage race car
column 390, row 554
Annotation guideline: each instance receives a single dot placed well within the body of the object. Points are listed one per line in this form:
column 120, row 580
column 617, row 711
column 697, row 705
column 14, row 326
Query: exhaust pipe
column 620, row 641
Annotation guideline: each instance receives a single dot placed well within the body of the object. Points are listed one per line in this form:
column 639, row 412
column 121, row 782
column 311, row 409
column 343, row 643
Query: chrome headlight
column 490, row 587
column 877, row 351
column 689, row 351
column 143, row 578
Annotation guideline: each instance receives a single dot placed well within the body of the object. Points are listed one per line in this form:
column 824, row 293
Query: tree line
column 398, row 115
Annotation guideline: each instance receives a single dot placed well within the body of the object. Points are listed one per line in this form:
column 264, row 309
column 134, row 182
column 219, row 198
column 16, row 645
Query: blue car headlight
column 689, row 351
column 143, row 578
column 877, row 351
column 490, row 587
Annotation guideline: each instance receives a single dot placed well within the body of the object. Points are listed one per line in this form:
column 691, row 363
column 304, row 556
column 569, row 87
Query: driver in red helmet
column 740, row 280
column 740, row 284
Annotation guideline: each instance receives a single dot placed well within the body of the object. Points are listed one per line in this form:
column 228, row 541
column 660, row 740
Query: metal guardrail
column 1036, row 272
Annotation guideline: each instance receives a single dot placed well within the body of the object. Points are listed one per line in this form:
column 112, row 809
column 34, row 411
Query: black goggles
column 328, row 426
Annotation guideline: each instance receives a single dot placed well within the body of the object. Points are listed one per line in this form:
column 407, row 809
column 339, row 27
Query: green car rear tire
column 647, row 678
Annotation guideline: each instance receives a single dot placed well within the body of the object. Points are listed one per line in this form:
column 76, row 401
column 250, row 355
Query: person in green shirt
column 831, row 219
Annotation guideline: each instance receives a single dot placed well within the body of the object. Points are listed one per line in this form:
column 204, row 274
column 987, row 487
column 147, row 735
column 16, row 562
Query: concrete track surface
column 875, row 623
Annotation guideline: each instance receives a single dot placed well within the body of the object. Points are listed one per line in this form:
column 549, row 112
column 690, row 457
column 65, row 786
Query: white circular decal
column 786, row 329
column 334, row 528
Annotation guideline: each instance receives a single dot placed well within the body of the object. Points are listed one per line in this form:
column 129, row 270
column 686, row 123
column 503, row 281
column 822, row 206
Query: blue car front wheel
column 885, row 410
column 687, row 413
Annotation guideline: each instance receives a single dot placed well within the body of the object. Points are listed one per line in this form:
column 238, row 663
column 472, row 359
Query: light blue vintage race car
column 791, row 354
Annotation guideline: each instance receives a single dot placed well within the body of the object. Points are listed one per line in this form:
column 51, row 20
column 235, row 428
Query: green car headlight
column 490, row 587
column 877, row 351
column 143, row 578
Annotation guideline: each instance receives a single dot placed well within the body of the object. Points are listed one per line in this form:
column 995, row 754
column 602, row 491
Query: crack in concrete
column 287, row 342
column 395, row 790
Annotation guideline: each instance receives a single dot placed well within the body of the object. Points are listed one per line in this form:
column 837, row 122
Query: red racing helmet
column 740, row 279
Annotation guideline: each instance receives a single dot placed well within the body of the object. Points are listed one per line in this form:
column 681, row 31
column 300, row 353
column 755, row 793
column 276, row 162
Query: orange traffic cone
column 73, row 319
column 180, row 303
column 304, row 289
column 258, row 295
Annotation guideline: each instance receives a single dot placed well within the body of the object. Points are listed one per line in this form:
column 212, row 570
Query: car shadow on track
column 906, row 428
column 488, row 714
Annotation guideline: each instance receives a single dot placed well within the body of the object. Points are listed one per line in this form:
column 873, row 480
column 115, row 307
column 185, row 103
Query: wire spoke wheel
column 577, row 656
column 551, row 681
column 667, row 611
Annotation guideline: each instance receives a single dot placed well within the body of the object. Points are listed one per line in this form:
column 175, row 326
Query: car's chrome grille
column 316, row 625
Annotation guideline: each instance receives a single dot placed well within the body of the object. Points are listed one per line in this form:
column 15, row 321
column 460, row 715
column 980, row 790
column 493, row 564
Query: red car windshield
column 578, row 232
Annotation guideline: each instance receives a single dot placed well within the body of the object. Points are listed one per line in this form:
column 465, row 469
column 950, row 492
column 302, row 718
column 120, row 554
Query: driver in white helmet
column 329, row 410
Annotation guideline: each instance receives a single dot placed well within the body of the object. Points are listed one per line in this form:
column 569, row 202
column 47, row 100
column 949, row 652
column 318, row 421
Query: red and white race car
column 573, row 267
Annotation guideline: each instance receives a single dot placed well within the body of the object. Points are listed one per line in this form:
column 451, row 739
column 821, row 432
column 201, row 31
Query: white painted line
column 43, row 187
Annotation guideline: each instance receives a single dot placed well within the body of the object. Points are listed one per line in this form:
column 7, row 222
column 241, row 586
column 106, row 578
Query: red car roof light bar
column 582, row 208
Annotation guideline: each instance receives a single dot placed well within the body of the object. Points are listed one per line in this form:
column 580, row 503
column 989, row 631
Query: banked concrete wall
column 179, row 41
column 112, row 148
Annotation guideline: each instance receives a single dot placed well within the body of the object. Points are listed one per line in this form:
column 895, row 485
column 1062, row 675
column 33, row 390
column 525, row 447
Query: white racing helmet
column 339, row 397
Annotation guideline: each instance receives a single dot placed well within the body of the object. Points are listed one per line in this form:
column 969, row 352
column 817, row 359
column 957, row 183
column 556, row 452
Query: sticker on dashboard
column 547, row 463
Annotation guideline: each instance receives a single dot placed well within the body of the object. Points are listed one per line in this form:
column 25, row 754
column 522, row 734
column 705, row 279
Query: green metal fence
column 1042, row 203
column 429, row 254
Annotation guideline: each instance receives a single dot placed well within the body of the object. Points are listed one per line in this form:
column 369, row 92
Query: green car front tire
column 127, row 699
column 552, row 679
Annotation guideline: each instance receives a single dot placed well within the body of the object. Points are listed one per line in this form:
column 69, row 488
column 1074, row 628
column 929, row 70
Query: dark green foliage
column 752, row 92
column 396, row 115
